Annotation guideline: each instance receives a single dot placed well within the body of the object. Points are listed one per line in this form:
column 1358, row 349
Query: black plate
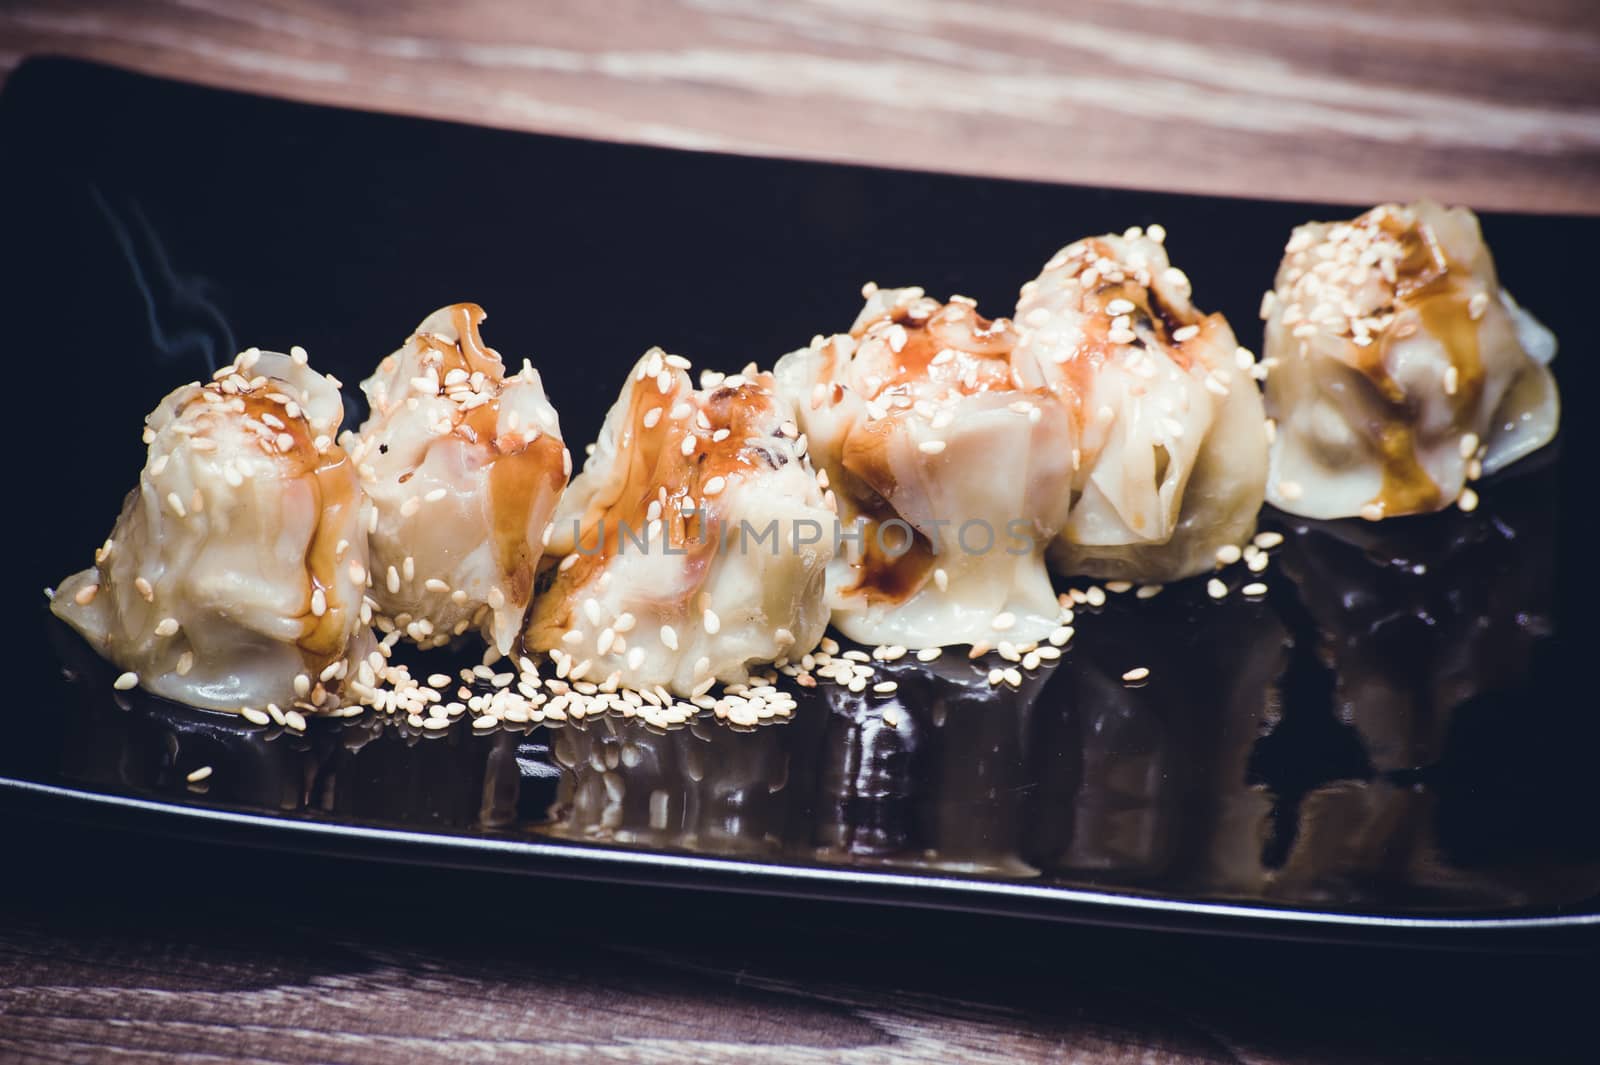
column 1396, row 739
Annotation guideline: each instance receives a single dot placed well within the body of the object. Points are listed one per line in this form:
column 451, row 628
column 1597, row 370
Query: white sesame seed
column 1468, row 500
column 1289, row 490
column 1216, row 589
column 126, row 681
column 712, row 623
column 931, row 447
column 197, row 775
column 928, row 654
column 1136, row 674
column 1061, row 635
column 1003, row 621
column 669, row 636
column 1255, row 588
column 1148, row 591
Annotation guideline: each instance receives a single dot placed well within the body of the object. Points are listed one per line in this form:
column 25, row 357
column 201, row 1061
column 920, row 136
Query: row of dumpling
column 912, row 481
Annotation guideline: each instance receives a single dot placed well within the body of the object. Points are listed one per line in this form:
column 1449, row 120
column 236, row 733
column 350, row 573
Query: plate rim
column 577, row 860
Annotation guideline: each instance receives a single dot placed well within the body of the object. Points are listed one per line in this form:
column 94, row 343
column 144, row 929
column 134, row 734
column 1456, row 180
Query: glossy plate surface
column 1400, row 736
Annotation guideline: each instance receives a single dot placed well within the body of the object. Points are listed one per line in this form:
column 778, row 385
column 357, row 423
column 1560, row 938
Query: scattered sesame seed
column 1255, row 588
column 1467, row 501
column 126, row 681
column 1136, row 674
column 1216, row 589
column 197, row 775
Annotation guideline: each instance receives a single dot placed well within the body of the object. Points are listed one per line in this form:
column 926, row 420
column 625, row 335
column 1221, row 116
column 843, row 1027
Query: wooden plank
column 1468, row 102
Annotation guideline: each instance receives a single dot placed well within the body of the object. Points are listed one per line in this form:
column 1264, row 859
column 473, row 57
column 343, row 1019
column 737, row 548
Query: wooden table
column 1475, row 101
column 136, row 950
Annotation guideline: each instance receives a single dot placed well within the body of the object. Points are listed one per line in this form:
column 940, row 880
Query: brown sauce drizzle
column 336, row 493
column 654, row 459
column 521, row 471
column 982, row 350
column 1426, row 284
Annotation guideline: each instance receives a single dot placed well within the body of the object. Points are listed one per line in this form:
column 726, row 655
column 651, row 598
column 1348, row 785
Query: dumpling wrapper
column 464, row 466
column 738, row 580
column 236, row 569
column 1169, row 435
column 924, row 426
column 1399, row 366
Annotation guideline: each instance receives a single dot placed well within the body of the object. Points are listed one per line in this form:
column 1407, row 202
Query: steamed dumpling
column 951, row 469
column 464, row 466
column 1169, row 452
column 235, row 572
column 1400, row 368
column 692, row 545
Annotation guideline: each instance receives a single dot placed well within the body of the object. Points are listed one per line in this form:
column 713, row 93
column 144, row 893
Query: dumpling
column 692, row 545
column 950, row 473
column 234, row 575
column 1400, row 370
column 1169, row 452
column 464, row 466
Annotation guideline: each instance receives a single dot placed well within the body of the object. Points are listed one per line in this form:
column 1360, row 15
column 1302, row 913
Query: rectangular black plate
column 1397, row 741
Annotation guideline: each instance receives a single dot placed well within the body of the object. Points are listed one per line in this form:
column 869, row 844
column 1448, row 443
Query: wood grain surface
column 133, row 950
column 1473, row 101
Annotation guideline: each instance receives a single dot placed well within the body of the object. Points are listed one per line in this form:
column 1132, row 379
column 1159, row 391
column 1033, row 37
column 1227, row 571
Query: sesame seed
column 254, row 716
column 1136, row 674
column 1216, row 589
column 1003, row 621
column 85, row 595
column 1468, row 500
column 941, row 579
column 931, row 447
column 1095, row 596
column 669, row 636
column 126, row 681
column 928, row 654
column 1148, row 591
column 1119, row 587
column 1255, row 588
column 197, row 775
column 886, row 687
column 1289, row 490
column 712, row 623
column 1061, row 635
column 1268, row 540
